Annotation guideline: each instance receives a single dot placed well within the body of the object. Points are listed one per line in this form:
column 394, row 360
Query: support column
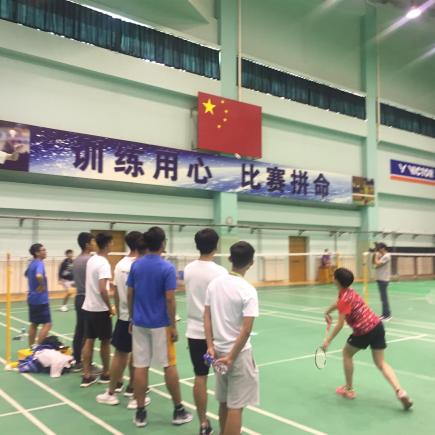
column 369, row 215
column 225, row 204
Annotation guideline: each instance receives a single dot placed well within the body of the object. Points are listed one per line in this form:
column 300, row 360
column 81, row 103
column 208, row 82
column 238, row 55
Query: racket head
column 320, row 358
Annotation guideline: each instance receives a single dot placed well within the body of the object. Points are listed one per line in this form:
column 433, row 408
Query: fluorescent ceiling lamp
column 413, row 13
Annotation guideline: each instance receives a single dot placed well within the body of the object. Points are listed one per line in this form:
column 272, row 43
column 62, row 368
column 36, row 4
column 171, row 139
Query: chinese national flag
column 228, row 126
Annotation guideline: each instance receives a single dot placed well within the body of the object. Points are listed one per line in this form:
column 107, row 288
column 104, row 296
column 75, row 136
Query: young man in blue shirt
column 151, row 303
column 37, row 298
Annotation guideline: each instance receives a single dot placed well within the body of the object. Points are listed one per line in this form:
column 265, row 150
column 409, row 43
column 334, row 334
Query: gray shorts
column 152, row 347
column 240, row 386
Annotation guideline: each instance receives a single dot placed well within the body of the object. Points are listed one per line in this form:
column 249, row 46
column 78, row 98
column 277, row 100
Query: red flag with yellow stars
column 228, row 126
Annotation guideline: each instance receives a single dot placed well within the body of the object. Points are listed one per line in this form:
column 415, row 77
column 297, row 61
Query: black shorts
column 375, row 339
column 197, row 350
column 39, row 314
column 98, row 324
column 121, row 339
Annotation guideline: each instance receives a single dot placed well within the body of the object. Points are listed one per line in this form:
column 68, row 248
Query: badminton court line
column 38, row 408
column 311, row 355
column 26, row 413
column 91, row 416
column 265, row 413
column 319, row 319
column 400, row 372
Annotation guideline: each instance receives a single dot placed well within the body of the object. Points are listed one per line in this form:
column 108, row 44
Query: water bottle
column 211, row 362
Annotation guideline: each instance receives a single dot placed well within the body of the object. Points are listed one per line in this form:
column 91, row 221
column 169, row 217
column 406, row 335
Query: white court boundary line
column 401, row 372
column 38, row 408
column 90, row 415
column 255, row 409
column 26, row 413
column 266, row 413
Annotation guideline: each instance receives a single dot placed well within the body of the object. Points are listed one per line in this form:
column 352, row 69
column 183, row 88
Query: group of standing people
column 221, row 309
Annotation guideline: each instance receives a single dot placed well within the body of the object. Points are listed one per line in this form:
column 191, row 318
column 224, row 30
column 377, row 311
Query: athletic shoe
column 343, row 391
column 385, row 318
column 104, row 379
column 64, row 308
column 181, row 416
column 77, row 367
column 140, row 419
column 119, row 387
column 128, row 391
column 107, row 399
column 206, row 430
column 132, row 403
column 87, row 382
column 177, row 318
column 404, row 398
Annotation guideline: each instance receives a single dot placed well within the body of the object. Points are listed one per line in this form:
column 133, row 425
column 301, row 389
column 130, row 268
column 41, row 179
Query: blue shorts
column 121, row 339
column 39, row 314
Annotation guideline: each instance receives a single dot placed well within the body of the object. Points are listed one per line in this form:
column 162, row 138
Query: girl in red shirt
column 367, row 330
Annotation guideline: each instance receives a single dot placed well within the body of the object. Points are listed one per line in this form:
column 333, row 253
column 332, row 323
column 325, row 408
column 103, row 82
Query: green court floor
column 295, row 396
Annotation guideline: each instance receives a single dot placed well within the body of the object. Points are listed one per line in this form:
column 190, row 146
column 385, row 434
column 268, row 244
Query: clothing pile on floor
column 47, row 357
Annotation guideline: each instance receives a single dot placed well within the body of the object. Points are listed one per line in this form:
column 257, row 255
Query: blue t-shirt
column 151, row 277
column 36, row 267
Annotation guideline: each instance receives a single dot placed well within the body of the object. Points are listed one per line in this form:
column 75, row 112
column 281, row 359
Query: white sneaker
column 107, row 399
column 132, row 403
column 177, row 318
column 64, row 308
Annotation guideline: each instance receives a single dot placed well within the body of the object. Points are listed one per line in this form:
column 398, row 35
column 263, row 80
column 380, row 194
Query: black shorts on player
column 121, row 339
column 375, row 339
column 197, row 350
column 98, row 324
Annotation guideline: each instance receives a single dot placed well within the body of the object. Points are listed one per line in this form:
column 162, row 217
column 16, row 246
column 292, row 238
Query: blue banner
column 64, row 153
column 412, row 172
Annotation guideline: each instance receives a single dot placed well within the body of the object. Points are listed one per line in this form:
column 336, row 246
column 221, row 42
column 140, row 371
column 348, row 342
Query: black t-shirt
column 66, row 270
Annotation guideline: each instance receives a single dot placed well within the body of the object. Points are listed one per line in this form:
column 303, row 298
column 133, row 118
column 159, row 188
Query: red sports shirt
column 358, row 314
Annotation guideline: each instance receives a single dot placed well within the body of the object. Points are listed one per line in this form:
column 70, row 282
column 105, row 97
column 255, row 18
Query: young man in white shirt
column 98, row 311
column 382, row 263
column 231, row 306
column 121, row 339
column 197, row 277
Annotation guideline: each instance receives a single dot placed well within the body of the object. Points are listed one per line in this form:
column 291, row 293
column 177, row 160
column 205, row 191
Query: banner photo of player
column 14, row 146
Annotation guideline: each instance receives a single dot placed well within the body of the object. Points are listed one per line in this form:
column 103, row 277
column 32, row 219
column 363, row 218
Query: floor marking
column 91, row 416
column 69, row 402
column 401, row 372
column 311, row 355
column 26, row 414
column 260, row 411
column 38, row 408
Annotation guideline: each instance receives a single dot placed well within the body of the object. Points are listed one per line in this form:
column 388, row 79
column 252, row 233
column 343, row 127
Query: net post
column 8, row 308
column 366, row 276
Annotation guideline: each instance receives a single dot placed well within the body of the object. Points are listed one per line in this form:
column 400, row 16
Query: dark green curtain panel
column 404, row 120
column 281, row 84
column 86, row 25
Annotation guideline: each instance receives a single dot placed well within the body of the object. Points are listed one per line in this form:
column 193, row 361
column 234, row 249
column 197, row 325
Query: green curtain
column 405, row 120
column 281, row 84
column 86, row 25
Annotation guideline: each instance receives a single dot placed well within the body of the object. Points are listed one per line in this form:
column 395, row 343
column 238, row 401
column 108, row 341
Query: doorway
column 118, row 245
column 298, row 264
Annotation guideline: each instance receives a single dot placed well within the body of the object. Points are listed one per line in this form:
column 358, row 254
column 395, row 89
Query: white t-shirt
column 230, row 298
column 197, row 277
column 383, row 271
column 97, row 268
column 122, row 269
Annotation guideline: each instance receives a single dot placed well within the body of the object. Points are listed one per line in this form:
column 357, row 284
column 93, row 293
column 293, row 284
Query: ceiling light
column 413, row 13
